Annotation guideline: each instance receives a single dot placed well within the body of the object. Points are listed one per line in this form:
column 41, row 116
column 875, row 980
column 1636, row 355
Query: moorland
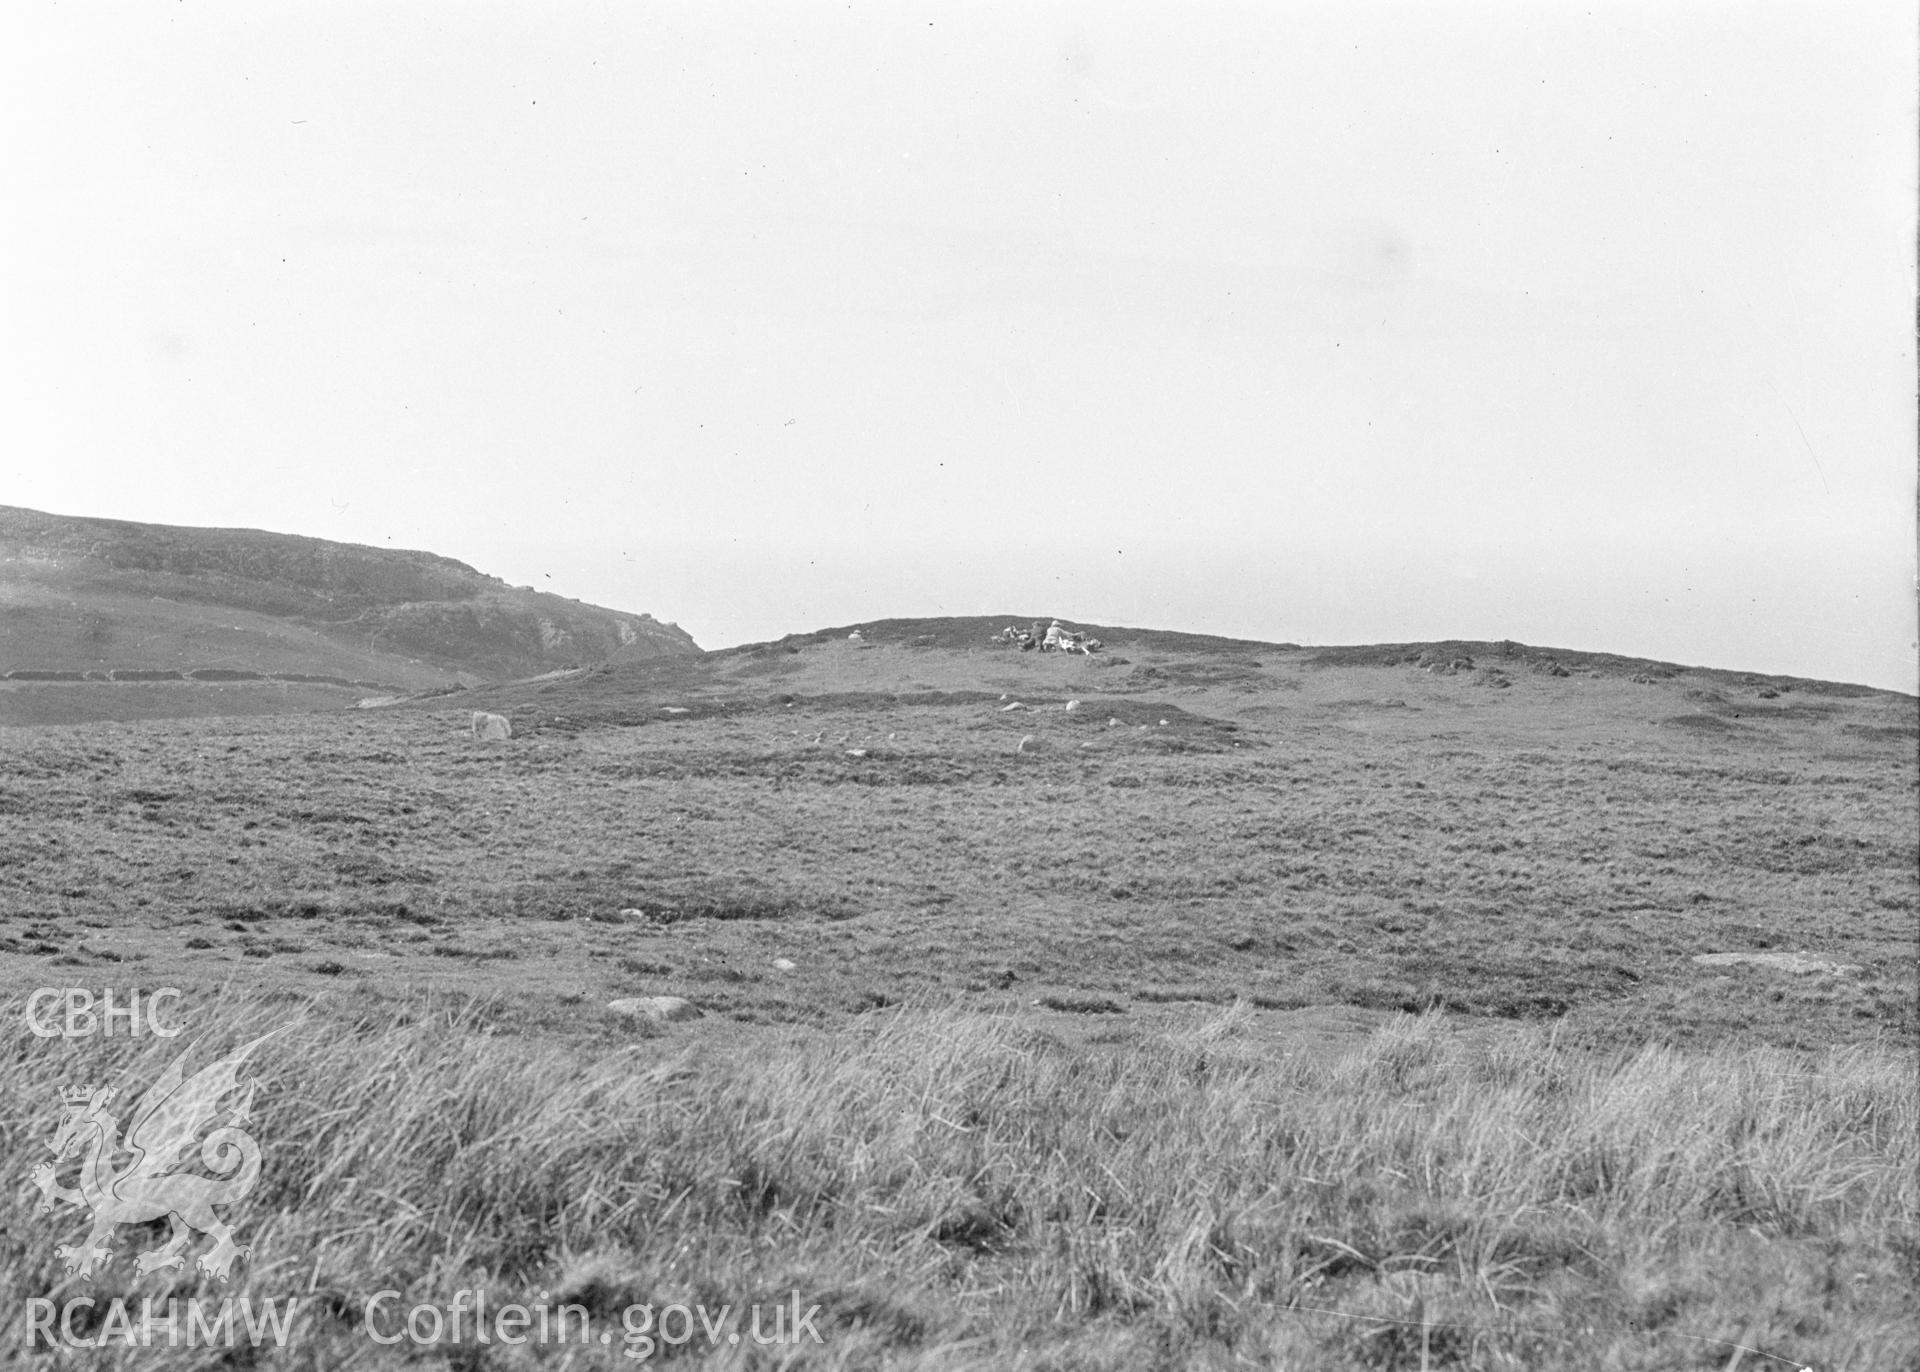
column 1192, row 1003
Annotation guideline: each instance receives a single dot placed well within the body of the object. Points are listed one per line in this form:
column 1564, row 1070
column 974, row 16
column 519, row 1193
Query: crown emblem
column 76, row 1095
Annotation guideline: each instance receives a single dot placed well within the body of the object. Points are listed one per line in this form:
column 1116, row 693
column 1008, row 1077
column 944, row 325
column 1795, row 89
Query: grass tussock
column 954, row 1190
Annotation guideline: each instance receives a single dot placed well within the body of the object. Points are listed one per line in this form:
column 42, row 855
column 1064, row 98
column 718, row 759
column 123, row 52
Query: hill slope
column 1010, row 965
column 160, row 605
column 903, row 660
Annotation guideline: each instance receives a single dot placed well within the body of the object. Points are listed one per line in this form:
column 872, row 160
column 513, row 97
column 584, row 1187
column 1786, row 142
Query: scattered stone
column 1015, row 706
column 856, row 752
column 1082, row 1005
column 676, row 709
column 1030, row 744
column 667, row 1009
column 785, row 965
column 1163, row 724
column 1798, row 963
column 488, row 727
column 1072, row 705
column 1113, row 721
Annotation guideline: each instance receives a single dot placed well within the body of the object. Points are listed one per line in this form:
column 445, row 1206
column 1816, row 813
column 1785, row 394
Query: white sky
column 1585, row 326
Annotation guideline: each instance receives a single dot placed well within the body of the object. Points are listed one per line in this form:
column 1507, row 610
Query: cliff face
column 103, row 594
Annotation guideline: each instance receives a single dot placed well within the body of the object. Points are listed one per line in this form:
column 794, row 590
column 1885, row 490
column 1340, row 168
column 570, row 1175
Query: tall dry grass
column 956, row 1190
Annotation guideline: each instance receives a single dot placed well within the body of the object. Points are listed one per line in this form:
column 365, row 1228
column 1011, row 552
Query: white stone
column 785, row 965
column 1798, row 963
column 662, row 1008
column 489, row 728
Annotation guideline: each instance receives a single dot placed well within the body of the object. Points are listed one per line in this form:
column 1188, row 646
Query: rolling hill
column 894, row 661
column 108, row 619
column 1199, row 1003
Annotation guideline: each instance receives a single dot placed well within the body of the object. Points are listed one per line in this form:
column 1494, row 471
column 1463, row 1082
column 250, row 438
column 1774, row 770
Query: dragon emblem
column 163, row 1127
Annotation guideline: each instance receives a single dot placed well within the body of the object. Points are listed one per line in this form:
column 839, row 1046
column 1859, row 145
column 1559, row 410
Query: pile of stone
column 1051, row 638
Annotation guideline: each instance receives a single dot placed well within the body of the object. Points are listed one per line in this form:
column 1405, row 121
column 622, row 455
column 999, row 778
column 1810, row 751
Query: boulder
column 1799, row 963
column 662, row 1008
column 1030, row 744
column 488, row 727
column 785, row 965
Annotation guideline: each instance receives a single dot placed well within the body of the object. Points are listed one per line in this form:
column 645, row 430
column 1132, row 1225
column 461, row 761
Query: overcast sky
column 1585, row 325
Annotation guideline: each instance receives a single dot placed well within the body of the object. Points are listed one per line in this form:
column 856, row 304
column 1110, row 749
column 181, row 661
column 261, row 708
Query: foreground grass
column 956, row 1190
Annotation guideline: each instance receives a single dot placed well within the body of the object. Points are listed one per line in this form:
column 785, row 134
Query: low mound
column 972, row 631
column 1507, row 655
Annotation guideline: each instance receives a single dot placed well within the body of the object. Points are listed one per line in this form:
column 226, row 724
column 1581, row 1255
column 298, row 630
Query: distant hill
column 1148, row 677
column 1445, row 656
column 173, row 609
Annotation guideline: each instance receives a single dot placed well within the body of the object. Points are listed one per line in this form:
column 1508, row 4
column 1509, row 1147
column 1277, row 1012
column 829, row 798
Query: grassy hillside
column 111, row 599
column 1269, row 1006
column 1201, row 826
